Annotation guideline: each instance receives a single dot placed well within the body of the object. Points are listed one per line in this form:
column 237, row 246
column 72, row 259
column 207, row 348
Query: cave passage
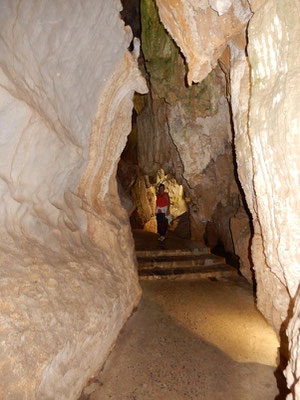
column 197, row 327
column 204, row 92
column 183, row 136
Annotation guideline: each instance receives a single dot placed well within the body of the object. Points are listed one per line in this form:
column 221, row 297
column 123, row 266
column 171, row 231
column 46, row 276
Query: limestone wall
column 67, row 279
column 274, row 134
column 267, row 151
column 202, row 29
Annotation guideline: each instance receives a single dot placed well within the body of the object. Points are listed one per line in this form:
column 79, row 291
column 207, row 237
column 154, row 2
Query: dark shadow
column 283, row 356
column 183, row 229
column 231, row 259
column 148, row 241
column 244, row 202
column 131, row 15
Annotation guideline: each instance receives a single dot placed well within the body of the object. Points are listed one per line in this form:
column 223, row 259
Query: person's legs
column 164, row 226
column 160, row 223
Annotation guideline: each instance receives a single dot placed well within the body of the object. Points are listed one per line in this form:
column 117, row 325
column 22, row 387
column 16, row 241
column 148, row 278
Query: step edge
column 196, row 275
column 206, row 269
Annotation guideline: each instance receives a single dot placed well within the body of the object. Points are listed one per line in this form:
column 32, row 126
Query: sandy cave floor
column 195, row 340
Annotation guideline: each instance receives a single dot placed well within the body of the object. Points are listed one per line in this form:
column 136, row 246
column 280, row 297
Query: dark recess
column 132, row 17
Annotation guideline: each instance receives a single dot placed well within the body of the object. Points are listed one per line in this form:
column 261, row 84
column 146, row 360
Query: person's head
column 161, row 188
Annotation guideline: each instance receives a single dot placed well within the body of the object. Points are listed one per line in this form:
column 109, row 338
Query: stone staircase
column 182, row 264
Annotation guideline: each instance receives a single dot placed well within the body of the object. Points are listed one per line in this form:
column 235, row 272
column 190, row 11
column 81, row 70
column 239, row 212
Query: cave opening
column 187, row 132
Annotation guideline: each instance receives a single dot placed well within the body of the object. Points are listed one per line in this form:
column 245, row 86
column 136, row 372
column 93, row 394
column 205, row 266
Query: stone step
column 171, row 252
column 179, row 261
column 211, row 271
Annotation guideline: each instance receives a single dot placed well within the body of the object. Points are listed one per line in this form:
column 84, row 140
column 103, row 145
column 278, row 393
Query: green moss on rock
column 167, row 69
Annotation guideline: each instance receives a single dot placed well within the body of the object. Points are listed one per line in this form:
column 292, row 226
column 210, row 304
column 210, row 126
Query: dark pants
column 162, row 224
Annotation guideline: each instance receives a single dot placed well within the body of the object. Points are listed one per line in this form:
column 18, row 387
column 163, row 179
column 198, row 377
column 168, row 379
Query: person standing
column 162, row 211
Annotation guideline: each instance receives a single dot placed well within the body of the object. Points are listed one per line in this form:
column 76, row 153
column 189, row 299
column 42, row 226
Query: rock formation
column 274, row 138
column 202, row 29
column 68, row 280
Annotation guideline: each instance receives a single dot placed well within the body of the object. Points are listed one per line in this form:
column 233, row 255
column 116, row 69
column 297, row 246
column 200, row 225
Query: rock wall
column 67, row 279
column 239, row 96
column 202, row 29
column 262, row 175
column 273, row 132
column 274, row 135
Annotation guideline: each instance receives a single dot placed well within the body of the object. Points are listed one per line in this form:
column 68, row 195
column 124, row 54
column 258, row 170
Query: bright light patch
column 273, row 57
column 276, row 99
column 295, row 126
column 278, row 26
column 236, row 329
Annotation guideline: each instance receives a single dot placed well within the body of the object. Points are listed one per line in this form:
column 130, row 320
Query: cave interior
column 99, row 104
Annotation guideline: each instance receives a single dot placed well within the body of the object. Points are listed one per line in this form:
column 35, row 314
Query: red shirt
column 162, row 200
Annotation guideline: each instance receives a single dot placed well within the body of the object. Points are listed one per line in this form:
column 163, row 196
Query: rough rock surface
column 202, row 29
column 67, row 278
column 241, row 234
column 273, row 131
column 274, row 310
column 274, row 135
column 156, row 149
column 143, row 192
column 240, row 94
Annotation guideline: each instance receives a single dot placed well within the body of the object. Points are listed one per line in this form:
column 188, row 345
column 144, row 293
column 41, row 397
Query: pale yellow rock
column 68, row 280
column 269, row 176
column 256, row 4
column 201, row 33
column 274, row 139
column 144, row 195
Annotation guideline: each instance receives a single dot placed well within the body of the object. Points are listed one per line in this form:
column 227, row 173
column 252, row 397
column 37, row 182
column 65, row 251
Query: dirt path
column 192, row 340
